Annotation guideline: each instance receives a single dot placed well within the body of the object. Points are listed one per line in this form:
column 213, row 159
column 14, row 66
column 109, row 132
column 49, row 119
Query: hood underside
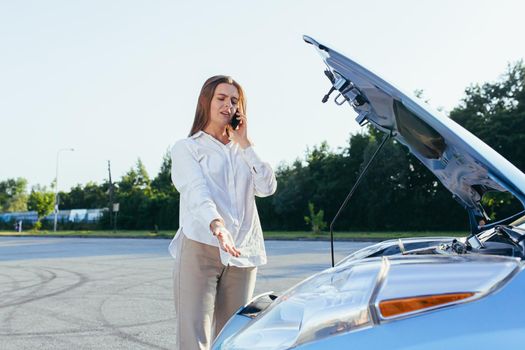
column 464, row 164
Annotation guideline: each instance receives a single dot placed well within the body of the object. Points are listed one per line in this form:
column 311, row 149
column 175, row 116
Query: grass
column 292, row 235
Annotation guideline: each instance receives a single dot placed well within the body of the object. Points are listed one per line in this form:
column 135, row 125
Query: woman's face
column 223, row 104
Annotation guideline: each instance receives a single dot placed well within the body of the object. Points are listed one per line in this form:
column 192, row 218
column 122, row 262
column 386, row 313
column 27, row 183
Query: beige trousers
column 207, row 293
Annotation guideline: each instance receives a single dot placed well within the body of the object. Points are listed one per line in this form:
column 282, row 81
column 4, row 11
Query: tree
column 13, row 195
column 42, row 201
column 398, row 193
column 495, row 112
column 315, row 220
column 88, row 196
column 289, row 200
column 164, row 205
column 136, row 179
column 162, row 182
column 134, row 195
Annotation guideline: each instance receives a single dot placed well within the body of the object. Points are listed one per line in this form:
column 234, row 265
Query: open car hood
column 465, row 165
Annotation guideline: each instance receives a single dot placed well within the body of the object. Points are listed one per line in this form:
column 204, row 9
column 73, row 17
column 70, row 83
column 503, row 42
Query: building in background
column 70, row 216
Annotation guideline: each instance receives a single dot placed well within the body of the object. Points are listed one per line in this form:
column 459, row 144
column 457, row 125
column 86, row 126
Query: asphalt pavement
column 100, row 293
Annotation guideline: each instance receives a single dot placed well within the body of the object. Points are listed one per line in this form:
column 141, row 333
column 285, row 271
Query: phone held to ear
column 234, row 122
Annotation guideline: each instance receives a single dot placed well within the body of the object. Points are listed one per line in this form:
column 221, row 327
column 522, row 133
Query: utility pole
column 55, row 221
column 113, row 207
column 110, row 196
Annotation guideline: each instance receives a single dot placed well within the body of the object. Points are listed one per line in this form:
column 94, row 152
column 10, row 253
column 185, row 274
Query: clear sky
column 119, row 80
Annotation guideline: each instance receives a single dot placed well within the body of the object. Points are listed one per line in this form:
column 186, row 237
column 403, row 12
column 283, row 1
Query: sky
column 119, row 80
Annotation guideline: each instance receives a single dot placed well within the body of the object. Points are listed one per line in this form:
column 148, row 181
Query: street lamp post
column 56, row 187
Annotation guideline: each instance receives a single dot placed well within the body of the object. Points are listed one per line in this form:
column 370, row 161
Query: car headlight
column 333, row 301
column 368, row 292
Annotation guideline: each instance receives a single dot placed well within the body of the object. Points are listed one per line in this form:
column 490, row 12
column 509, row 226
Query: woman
column 220, row 242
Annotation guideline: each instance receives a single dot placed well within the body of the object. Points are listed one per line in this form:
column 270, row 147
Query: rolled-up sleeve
column 262, row 173
column 189, row 180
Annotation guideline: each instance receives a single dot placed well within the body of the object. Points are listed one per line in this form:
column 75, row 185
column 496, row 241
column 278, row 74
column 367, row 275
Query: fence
column 73, row 216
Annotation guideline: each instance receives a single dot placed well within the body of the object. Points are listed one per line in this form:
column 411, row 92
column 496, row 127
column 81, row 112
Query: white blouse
column 218, row 181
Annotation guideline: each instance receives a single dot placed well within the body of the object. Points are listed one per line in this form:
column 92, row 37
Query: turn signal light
column 396, row 307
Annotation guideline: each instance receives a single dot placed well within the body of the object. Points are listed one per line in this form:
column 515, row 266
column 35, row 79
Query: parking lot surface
column 89, row 293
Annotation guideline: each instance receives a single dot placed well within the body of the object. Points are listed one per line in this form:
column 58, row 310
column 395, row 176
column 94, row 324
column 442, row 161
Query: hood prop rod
column 351, row 193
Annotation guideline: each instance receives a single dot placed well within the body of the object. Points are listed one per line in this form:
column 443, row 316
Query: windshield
column 500, row 208
column 520, row 222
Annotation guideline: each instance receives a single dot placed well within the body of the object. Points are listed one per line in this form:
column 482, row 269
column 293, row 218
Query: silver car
column 424, row 293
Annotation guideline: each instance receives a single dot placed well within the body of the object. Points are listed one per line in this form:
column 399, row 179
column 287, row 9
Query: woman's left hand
column 239, row 135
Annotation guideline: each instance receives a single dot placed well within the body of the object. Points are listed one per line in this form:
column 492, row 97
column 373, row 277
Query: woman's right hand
column 225, row 238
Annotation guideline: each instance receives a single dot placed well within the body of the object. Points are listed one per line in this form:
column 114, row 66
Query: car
column 416, row 293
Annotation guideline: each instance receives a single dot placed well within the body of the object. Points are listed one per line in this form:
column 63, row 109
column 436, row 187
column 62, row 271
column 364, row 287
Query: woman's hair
column 202, row 113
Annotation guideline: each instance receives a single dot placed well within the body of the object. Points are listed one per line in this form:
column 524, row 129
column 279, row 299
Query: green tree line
column 397, row 194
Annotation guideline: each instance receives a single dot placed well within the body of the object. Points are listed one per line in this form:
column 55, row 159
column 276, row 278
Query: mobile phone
column 234, row 122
